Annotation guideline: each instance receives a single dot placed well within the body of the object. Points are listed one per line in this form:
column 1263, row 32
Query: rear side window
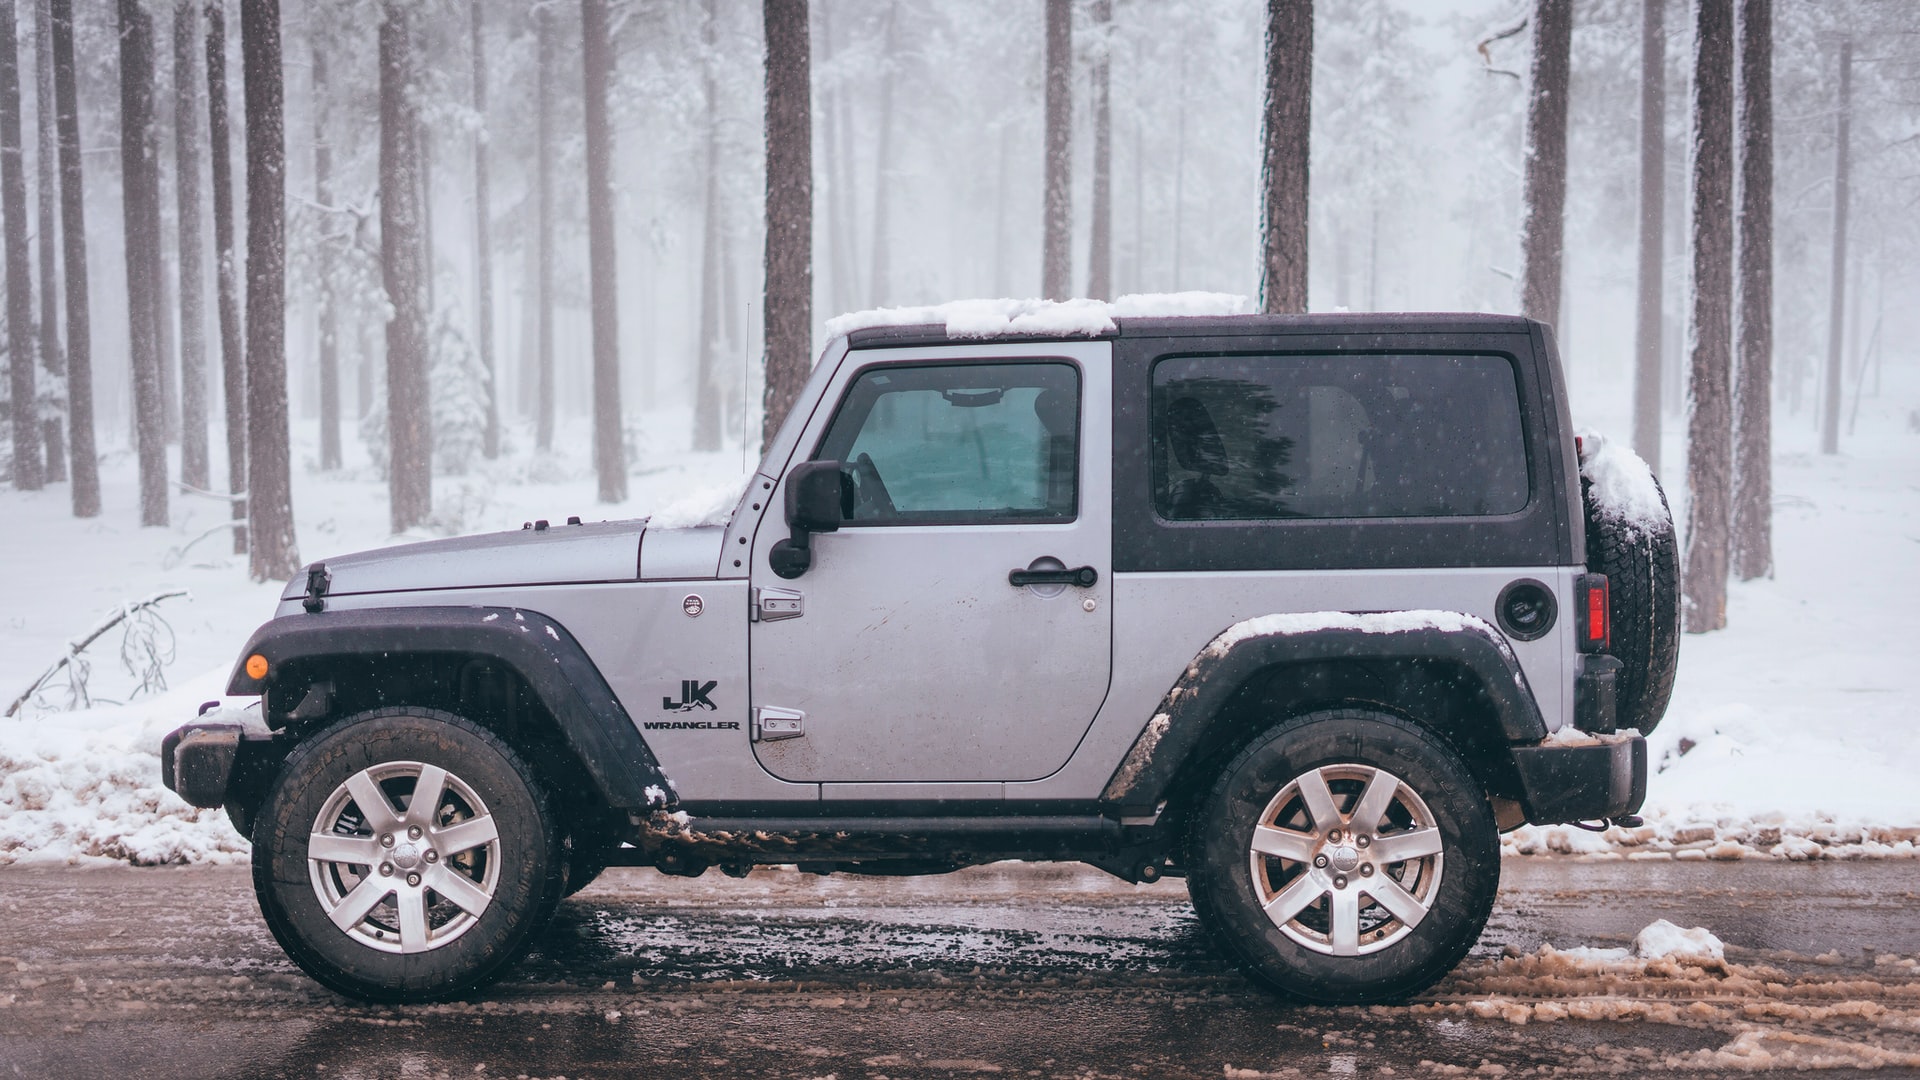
column 1375, row 436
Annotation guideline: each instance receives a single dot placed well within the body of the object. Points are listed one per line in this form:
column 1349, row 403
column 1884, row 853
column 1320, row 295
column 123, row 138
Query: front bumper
column 1604, row 779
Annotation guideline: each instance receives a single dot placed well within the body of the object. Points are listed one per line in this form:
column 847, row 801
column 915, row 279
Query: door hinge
column 771, row 724
column 774, row 604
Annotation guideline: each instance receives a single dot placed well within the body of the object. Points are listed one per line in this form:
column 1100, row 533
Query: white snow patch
column 1568, row 735
column 1386, row 622
column 712, row 504
column 1079, row 317
column 1662, row 939
column 1621, row 484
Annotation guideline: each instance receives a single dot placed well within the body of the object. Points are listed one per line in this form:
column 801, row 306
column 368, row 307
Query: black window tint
column 964, row 444
column 1260, row 437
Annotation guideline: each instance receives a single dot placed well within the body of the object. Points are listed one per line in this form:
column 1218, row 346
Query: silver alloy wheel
column 404, row 857
column 1336, row 833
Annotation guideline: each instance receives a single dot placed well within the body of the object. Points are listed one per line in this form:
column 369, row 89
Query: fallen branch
column 79, row 645
column 178, row 555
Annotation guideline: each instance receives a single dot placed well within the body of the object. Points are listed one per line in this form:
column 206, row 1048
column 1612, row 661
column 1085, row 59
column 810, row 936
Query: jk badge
column 693, row 695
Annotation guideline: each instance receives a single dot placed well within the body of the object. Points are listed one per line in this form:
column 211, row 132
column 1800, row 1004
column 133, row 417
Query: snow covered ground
column 1792, row 733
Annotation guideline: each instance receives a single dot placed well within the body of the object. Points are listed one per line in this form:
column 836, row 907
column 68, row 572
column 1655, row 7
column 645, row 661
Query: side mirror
column 819, row 498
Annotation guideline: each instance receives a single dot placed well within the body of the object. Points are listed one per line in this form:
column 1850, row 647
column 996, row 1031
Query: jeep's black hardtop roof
column 1339, row 322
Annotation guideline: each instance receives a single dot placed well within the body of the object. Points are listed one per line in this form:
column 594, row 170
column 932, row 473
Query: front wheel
column 405, row 855
column 1345, row 857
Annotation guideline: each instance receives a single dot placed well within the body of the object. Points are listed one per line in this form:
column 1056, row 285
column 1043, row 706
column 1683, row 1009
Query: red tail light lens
column 1594, row 631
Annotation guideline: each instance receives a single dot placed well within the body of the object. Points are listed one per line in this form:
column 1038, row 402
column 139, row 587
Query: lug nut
column 386, row 839
column 1366, row 869
column 386, row 869
column 1333, row 836
column 432, row 855
column 1340, row 882
column 1363, row 841
column 1320, row 861
column 413, row 879
column 413, row 832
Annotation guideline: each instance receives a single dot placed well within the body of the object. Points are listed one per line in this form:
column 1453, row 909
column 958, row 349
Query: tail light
column 1592, row 599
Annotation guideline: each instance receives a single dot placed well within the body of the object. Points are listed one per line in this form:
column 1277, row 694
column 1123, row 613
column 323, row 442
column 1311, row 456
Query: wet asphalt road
column 1011, row 971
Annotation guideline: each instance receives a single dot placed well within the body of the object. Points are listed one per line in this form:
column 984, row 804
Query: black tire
column 522, row 865
column 1643, row 608
column 588, row 852
column 1457, row 884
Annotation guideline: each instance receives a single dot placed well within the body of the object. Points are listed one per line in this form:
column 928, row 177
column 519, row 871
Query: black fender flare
column 556, row 668
column 1179, row 724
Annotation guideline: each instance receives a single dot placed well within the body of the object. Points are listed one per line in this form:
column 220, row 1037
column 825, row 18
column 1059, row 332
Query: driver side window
column 965, row 444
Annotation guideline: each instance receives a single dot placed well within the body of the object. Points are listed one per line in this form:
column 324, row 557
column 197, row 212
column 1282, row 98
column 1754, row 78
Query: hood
column 561, row 554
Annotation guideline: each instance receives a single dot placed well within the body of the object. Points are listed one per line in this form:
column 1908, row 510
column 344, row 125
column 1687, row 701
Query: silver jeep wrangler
column 1299, row 608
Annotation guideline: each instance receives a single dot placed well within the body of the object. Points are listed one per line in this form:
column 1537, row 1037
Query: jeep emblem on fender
column 693, row 605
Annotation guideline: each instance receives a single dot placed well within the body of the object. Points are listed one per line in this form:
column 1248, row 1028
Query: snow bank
column 1076, row 318
column 1621, row 485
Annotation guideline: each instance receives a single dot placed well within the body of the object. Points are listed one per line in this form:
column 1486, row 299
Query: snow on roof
column 992, row 318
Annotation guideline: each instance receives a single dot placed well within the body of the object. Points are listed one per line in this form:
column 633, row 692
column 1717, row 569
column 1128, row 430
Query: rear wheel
column 405, row 855
column 1345, row 857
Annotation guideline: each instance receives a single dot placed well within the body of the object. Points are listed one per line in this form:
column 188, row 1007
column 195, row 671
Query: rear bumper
column 1605, row 779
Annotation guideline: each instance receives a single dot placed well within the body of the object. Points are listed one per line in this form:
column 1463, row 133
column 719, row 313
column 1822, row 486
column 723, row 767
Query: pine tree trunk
column 789, row 254
column 1836, row 311
column 1100, row 247
column 483, row 235
column 226, row 268
column 840, row 238
column 543, row 226
column 879, row 289
column 1653, row 207
column 706, row 392
column 1056, row 257
column 193, row 331
column 1285, row 157
column 28, row 475
column 409, row 430
column 329, row 316
column 275, row 554
column 47, row 164
column 141, row 208
column 609, row 451
column 1543, row 225
column 73, row 233
column 1753, row 389
column 1710, row 322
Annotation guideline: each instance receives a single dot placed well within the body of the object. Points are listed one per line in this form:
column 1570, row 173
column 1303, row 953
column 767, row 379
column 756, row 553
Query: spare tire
column 1632, row 541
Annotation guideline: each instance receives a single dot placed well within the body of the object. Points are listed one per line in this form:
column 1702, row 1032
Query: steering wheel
column 870, row 499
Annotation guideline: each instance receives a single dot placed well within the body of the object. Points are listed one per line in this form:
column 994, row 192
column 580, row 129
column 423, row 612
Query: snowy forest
column 251, row 245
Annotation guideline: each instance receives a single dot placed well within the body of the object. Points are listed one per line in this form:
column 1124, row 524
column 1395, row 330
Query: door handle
column 1082, row 578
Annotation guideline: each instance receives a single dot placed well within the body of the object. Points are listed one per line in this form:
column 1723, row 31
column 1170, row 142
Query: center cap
column 406, row 855
column 1343, row 858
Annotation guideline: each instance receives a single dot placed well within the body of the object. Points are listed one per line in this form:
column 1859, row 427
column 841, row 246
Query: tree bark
column 1285, row 157
column 543, row 226
column 226, row 270
column 789, row 254
column 73, row 231
column 1653, row 208
column 1837, row 308
column 409, row 428
column 22, row 350
column 275, row 555
column 47, row 164
column 328, row 313
column 878, row 287
column 483, row 234
column 1710, row 322
column 1753, row 390
column 1100, row 247
column 1056, row 257
column 706, row 393
column 609, row 451
column 193, row 331
column 140, row 205
column 1543, row 225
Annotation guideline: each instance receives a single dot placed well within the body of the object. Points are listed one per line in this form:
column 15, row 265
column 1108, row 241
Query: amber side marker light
column 256, row 666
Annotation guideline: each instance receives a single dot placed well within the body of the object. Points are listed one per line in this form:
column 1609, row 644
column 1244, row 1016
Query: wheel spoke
column 1405, row 906
column 428, row 790
column 1399, row 847
column 1293, row 899
column 1343, row 913
column 413, row 920
column 364, row 898
column 471, row 833
column 334, row 848
column 1373, row 802
column 1283, row 843
column 374, row 805
column 1319, row 801
column 458, row 888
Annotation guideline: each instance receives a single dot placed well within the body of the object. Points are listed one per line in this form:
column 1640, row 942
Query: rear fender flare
column 591, row 720
column 1241, row 651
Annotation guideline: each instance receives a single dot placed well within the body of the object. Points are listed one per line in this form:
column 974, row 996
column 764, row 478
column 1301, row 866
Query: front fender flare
column 557, row 670
column 1238, row 652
